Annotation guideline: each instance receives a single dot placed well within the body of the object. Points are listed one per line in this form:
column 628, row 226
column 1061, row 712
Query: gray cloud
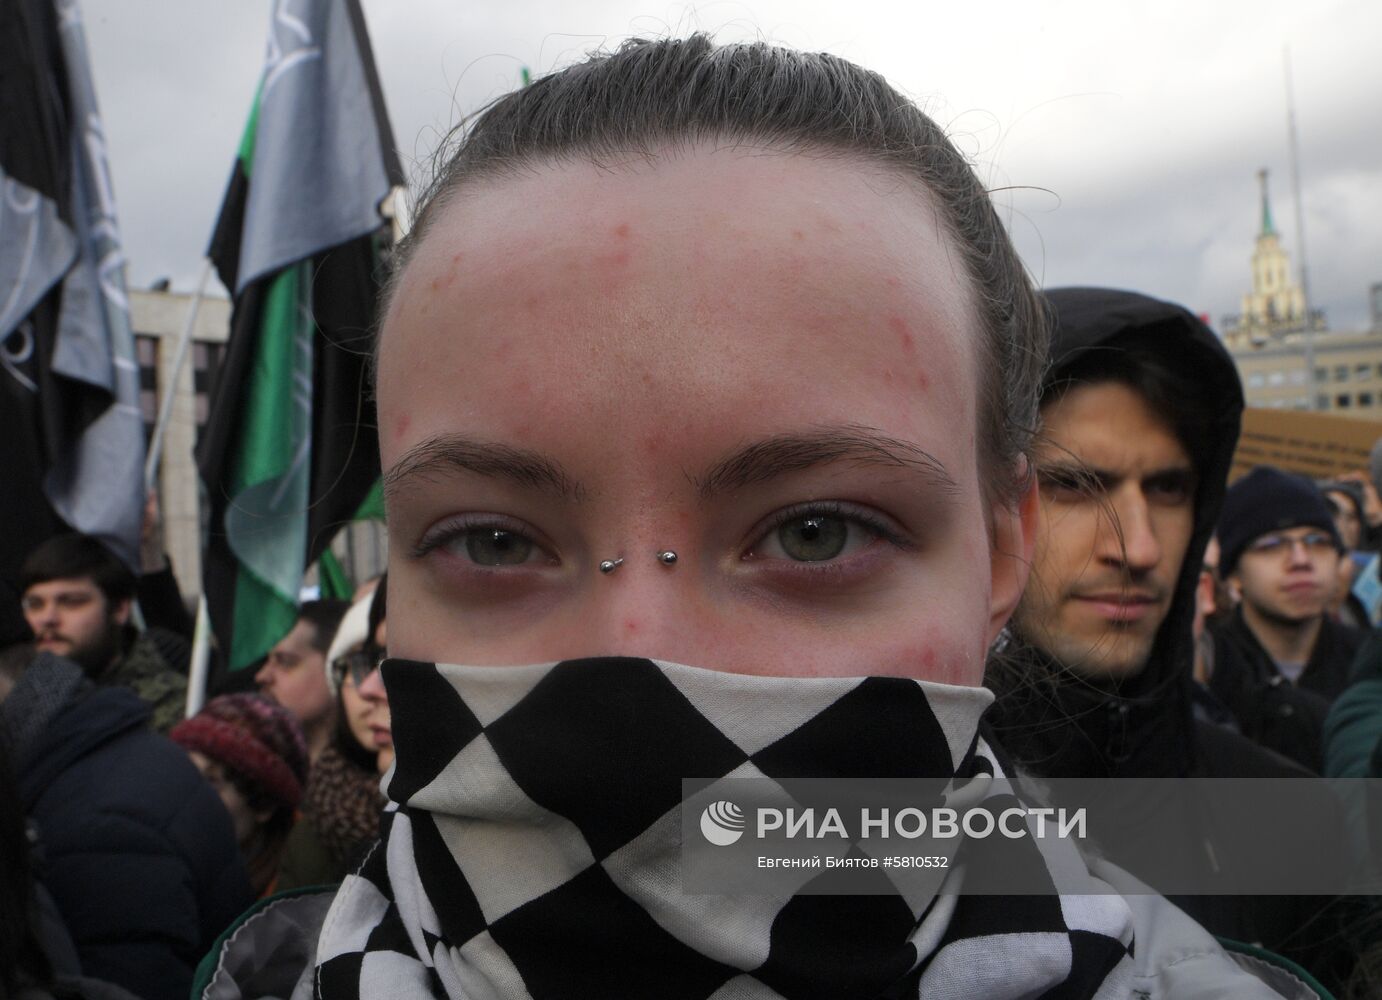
column 1147, row 126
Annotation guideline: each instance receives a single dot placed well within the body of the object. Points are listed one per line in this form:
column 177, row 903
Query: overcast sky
column 1126, row 135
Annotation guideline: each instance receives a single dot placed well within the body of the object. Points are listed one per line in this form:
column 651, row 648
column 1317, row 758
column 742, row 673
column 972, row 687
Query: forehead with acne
column 625, row 262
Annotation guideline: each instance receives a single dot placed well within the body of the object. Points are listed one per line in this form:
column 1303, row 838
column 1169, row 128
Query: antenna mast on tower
column 1294, row 145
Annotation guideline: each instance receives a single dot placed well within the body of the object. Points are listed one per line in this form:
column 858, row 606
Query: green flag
column 289, row 451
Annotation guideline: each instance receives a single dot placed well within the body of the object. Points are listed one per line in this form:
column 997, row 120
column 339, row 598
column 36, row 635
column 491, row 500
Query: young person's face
column 1346, row 519
column 1117, row 514
column 1288, row 576
column 763, row 362
column 294, row 676
column 357, row 711
column 244, row 817
column 71, row 617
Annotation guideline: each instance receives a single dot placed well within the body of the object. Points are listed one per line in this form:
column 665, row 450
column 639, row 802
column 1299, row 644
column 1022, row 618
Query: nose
column 372, row 687
column 1297, row 554
column 265, row 674
column 1129, row 537
column 644, row 610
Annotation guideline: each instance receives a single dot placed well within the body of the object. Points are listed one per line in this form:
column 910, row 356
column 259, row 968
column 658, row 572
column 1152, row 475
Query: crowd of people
column 758, row 385
column 145, row 848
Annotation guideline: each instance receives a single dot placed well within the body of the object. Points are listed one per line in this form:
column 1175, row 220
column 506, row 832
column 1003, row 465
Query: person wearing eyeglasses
column 1279, row 659
column 342, row 801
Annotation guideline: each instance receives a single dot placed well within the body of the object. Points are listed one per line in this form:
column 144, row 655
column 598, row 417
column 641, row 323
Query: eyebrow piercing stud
column 667, row 557
column 608, row 566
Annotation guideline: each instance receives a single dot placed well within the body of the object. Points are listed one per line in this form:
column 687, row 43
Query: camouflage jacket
column 142, row 669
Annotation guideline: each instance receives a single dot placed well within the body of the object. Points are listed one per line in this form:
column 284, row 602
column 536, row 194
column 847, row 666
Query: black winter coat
column 135, row 847
column 1282, row 716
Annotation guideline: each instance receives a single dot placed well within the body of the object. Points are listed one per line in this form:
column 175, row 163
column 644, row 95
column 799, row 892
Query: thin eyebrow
column 783, row 454
column 448, row 453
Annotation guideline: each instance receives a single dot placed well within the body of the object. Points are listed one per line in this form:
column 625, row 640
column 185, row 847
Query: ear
column 1204, row 593
column 1233, row 583
column 120, row 612
column 1013, row 530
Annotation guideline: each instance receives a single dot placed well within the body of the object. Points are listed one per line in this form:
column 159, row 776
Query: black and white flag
column 72, row 446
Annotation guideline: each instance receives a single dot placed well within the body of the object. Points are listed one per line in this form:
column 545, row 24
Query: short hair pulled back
column 651, row 96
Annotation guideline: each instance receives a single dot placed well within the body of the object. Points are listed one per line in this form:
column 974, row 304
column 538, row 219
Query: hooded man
column 1140, row 415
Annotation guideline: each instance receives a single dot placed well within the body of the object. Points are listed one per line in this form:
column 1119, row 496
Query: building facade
column 1287, row 363
column 158, row 317
column 1346, row 375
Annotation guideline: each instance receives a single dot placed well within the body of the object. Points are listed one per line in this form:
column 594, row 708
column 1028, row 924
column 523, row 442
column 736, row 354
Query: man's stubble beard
column 1093, row 658
column 96, row 657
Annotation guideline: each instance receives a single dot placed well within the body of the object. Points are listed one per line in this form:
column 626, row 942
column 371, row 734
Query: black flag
column 290, row 450
column 72, row 447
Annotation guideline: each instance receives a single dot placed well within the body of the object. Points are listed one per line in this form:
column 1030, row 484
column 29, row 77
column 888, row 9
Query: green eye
column 813, row 539
column 496, row 547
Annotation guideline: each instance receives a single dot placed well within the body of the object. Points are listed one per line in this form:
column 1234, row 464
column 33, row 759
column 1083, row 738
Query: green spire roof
column 1268, row 227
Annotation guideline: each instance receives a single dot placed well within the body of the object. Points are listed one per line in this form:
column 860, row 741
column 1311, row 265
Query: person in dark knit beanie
column 1279, row 658
column 254, row 754
column 1268, row 500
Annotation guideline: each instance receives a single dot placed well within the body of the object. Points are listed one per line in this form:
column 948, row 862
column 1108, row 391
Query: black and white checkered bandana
column 533, row 842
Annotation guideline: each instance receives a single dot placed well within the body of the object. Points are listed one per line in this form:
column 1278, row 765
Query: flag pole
column 165, row 410
column 201, row 657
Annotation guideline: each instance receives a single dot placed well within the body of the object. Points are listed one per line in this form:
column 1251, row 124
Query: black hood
column 1062, row 726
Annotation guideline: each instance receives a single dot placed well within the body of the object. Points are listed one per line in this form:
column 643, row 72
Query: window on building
column 1363, row 371
column 1343, row 401
column 146, row 354
column 1297, row 376
column 1256, row 380
column 1276, row 378
column 1341, row 373
column 1365, row 399
column 1321, row 402
column 1322, row 374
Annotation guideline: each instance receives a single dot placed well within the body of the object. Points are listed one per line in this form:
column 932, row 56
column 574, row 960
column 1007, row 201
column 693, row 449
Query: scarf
column 532, row 847
column 343, row 802
column 43, row 690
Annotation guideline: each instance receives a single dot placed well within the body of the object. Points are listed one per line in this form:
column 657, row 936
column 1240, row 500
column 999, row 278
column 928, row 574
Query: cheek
column 1244, row 582
column 81, row 624
column 418, row 620
column 945, row 659
column 355, row 706
column 239, row 812
column 1067, row 537
column 308, row 693
column 1177, row 535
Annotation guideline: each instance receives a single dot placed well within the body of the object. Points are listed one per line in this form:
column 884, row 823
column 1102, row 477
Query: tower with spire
column 1276, row 305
